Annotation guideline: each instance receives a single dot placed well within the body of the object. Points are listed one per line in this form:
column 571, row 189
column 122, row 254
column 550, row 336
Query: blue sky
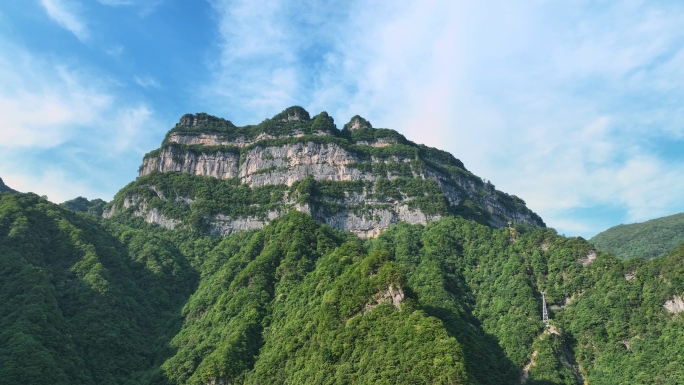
column 576, row 107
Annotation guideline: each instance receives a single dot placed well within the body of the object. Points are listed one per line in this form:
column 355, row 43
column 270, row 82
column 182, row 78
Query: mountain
column 153, row 292
column 4, row 187
column 643, row 240
column 83, row 205
column 223, row 179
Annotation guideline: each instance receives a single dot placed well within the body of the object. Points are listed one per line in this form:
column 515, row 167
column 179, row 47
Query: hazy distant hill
column 644, row 240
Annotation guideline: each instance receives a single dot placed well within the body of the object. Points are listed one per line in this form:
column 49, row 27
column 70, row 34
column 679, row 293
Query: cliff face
column 362, row 179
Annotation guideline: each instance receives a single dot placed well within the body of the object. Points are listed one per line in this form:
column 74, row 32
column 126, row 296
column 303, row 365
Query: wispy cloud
column 147, row 82
column 562, row 105
column 116, row 2
column 288, row 41
column 146, row 6
column 115, row 50
column 68, row 131
column 65, row 14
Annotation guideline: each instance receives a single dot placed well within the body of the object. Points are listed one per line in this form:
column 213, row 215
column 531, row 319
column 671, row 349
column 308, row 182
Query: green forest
column 643, row 240
column 87, row 300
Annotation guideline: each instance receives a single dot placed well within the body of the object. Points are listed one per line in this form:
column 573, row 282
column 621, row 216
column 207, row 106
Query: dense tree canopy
column 85, row 300
column 643, row 240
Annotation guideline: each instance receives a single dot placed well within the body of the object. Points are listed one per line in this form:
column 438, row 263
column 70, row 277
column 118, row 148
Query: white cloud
column 65, row 13
column 43, row 103
column 554, row 103
column 116, row 2
column 146, row 6
column 67, row 131
column 114, row 51
column 147, row 82
column 52, row 182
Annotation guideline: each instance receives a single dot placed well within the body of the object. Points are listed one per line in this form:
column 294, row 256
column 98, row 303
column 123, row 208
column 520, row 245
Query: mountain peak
column 296, row 113
column 221, row 178
column 358, row 123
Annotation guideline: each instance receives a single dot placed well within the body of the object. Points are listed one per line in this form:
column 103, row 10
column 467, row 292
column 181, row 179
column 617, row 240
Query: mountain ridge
column 359, row 179
column 647, row 239
column 250, row 280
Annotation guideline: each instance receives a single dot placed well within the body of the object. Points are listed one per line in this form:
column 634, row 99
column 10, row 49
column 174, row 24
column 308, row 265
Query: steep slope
column 81, row 305
column 119, row 301
column 643, row 240
column 359, row 179
column 249, row 280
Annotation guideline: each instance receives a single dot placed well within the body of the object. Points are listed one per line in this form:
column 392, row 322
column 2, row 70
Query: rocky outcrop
column 140, row 209
column 589, row 258
column 292, row 147
column 675, row 305
column 221, row 165
column 288, row 164
column 373, row 221
column 224, row 226
column 394, row 295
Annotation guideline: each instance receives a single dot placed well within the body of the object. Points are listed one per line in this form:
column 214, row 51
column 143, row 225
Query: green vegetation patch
column 643, row 240
column 195, row 199
column 90, row 301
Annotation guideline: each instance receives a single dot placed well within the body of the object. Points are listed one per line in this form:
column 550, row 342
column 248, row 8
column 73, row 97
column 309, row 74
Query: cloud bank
column 66, row 14
column 565, row 105
column 66, row 131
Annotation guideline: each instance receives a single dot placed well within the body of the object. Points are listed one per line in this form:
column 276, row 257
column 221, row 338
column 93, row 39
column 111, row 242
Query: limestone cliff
column 358, row 179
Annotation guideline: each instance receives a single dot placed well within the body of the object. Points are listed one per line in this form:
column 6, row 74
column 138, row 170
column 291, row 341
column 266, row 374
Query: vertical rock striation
column 362, row 179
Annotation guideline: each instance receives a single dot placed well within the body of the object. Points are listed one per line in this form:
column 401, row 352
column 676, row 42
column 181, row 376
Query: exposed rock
column 153, row 216
column 380, row 142
column 551, row 329
column 567, row 301
column 290, row 163
column 589, row 258
column 394, row 295
column 109, row 212
column 295, row 113
column 287, row 164
column 212, row 139
column 141, row 210
column 288, row 148
column 526, row 369
column 221, row 165
column 358, row 123
column 675, row 305
column 224, row 226
column 370, row 224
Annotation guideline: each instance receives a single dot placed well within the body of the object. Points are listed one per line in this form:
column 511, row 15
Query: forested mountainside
column 224, row 179
column 643, row 240
column 90, row 301
column 193, row 277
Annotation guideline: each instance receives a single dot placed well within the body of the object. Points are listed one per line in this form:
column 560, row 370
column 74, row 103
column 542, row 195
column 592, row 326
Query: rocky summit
column 224, row 179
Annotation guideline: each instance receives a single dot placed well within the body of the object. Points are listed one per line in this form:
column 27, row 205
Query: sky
column 577, row 107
